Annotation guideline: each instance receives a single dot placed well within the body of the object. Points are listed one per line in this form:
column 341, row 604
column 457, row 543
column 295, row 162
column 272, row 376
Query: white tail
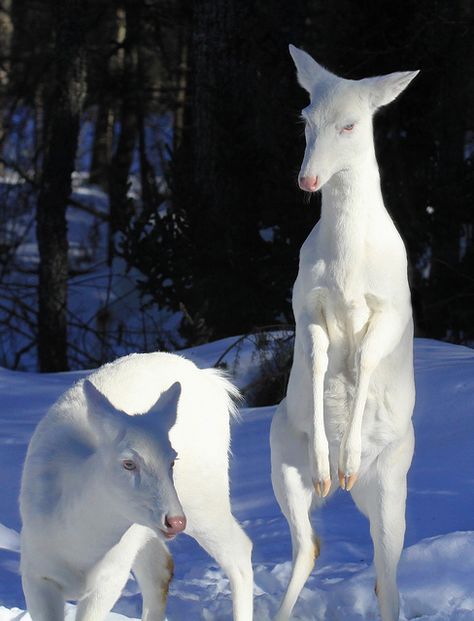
column 98, row 498
column 350, row 397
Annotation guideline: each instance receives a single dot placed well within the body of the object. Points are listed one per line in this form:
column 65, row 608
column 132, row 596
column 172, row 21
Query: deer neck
column 91, row 516
column 351, row 200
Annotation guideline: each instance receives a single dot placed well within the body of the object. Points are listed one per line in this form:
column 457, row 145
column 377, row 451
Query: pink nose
column 310, row 184
column 175, row 524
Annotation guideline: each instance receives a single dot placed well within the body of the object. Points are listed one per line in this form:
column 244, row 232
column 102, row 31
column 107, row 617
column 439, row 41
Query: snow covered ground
column 437, row 569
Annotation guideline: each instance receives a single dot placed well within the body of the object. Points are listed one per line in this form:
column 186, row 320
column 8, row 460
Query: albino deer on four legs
column 102, row 495
column 351, row 393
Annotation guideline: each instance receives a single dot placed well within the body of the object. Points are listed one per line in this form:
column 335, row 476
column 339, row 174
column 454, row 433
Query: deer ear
column 105, row 419
column 385, row 88
column 165, row 410
column 308, row 71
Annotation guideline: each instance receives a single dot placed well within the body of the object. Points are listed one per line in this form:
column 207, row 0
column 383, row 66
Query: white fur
column 87, row 521
column 351, row 391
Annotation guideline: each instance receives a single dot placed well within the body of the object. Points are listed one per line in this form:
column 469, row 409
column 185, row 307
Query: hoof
column 322, row 488
column 347, row 481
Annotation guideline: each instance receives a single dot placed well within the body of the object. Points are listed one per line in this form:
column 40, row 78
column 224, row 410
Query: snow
column 436, row 573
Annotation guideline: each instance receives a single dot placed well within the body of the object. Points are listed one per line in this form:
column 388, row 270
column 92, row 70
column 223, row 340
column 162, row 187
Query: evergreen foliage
column 199, row 102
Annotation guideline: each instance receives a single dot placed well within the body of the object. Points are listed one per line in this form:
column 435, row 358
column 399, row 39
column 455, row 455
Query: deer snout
column 175, row 525
column 309, row 184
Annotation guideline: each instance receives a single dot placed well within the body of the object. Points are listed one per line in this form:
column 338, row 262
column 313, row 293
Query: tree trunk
column 179, row 115
column 447, row 281
column 226, row 163
column 100, row 80
column 215, row 180
column 102, row 147
column 62, row 109
column 123, row 156
column 6, row 29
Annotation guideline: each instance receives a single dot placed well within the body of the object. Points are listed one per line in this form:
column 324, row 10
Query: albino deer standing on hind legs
column 98, row 499
column 347, row 412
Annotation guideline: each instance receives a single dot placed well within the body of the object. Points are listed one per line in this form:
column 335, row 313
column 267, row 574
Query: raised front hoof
column 347, row 481
column 322, row 488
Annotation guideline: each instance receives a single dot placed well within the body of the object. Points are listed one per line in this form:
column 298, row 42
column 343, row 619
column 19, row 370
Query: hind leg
column 153, row 569
column 381, row 495
column 227, row 543
column 206, row 504
column 293, row 487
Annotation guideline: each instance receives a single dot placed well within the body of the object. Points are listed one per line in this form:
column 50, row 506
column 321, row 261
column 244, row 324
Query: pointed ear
column 307, row 69
column 104, row 418
column 165, row 410
column 385, row 88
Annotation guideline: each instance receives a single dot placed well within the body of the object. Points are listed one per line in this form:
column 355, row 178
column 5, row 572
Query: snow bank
column 9, row 539
column 437, row 569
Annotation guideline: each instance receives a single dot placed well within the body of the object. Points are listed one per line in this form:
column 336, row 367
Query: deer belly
column 338, row 396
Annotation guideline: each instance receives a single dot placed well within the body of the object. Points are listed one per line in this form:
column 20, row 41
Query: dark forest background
column 198, row 100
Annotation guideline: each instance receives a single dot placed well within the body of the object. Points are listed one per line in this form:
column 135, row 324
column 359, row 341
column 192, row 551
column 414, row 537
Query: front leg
column 107, row 579
column 44, row 598
column 385, row 329
column 317, row 344
column 99, row 601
